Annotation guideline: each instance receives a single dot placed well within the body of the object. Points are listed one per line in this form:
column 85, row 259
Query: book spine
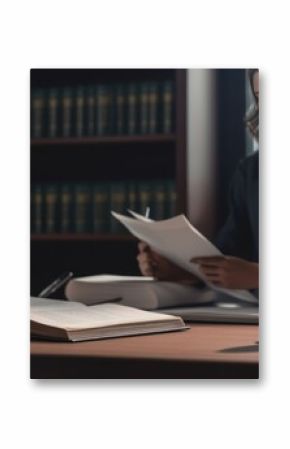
column 132, row 110
column 36, row 209
column 119, row 109
column 100, row 208
column 79, row 111
column 108, row 116
column 117, row 204
column 37, row 113
column 152, row 108
column 171, row 199
column 82, row 209
column 51, row 206
column 67, row 112
column 144, row 197
column 90, row 107
column 132, row 197
column 53, row 113
column 103, row 110
column 66, row 208
column 143, row 108
column 167, row 106
column 159, row 200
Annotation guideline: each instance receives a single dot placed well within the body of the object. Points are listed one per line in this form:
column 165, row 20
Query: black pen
column 56, row 284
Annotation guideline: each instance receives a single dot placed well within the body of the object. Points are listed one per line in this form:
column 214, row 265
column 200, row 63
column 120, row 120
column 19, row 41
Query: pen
column 56, row 284
column 147, row 213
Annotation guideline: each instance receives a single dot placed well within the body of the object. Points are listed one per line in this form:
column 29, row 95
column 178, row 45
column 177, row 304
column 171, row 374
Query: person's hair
column 252, row 115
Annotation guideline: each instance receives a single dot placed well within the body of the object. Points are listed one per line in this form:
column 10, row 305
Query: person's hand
column 152, row 264
column 229, row 272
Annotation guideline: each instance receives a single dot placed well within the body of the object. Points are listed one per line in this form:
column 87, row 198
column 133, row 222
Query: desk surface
column 204, row 351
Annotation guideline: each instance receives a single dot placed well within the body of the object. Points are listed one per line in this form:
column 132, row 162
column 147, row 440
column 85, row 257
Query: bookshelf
column 111, row 158
column 102, row 140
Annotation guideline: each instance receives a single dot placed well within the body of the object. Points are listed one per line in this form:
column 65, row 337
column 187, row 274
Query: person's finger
column 210, row 272
column 211, row 265
column 143, row 247
column 147, row 269
column 210, row 268
column 208, row 260
column 145, row 258
column 213, row 278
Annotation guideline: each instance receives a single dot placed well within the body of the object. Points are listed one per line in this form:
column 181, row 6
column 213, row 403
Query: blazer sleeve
column 234, row 238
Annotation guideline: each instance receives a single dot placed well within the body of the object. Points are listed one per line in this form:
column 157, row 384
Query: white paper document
column 178, row 241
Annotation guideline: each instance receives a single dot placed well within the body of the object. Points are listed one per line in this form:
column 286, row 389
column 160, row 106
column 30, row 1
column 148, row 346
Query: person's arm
column 229, row 272
column 235, row 237
column 239, row 267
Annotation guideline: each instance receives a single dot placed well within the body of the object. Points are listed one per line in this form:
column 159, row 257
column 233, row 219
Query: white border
column 190, row 34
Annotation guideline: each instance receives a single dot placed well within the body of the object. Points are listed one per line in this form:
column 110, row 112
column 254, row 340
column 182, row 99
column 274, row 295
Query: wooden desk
column 206, row 351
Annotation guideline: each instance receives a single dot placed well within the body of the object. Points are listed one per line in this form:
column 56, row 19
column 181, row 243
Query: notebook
column 73, row 321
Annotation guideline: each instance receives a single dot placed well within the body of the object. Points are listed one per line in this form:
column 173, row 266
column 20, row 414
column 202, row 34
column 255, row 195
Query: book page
column 178, row 241
column 71, row 315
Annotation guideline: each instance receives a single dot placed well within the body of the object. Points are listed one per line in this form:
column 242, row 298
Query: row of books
column 118, row 109
column 86, row 208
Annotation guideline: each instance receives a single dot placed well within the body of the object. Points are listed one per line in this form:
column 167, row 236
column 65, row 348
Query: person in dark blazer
column 238, row 239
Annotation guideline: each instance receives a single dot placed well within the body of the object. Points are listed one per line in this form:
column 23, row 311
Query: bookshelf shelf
column 105, row 140
column 81, row 237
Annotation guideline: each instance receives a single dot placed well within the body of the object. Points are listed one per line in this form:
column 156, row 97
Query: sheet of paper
column 76, row 316
column 140, row 217
column 178, row 241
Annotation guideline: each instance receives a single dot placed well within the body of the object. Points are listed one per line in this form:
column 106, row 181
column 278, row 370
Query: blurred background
column 113, row 139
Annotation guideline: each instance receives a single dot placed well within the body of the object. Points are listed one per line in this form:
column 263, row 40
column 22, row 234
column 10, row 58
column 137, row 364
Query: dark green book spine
column 132, row 109
column 66, row 208
column 37, row 113
column 132, row 196
column 90, row 107
column 144, row 97
column 37, row 209
column 167, row 107
column 103, row 110
column 171, row 199
column 67, row 112
column 119, row 109
column 80, row 111
column 51, row 208
column 145, row 197
column 53, row 113
column 117, row 204
column 100, row 205
column 153, row 108
column 159, row 193
column 82, row 208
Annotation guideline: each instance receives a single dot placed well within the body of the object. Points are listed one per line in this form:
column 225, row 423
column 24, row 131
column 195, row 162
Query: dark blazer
column 240, row 234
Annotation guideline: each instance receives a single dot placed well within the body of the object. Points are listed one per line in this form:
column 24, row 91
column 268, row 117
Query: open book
column 178, row 241
column 73, row 321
